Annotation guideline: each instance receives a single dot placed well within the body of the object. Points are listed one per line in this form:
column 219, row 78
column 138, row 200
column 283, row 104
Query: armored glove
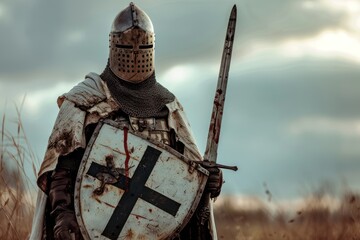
column 214, row 182
column 65, row 224
column 60, row 196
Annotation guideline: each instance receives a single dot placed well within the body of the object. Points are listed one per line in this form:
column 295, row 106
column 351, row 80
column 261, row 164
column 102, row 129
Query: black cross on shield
column 135, row 188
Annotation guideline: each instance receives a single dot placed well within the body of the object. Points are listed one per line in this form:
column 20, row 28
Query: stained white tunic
column 86, row 103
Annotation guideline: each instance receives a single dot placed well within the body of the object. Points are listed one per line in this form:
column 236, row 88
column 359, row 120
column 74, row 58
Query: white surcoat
column 87, row 103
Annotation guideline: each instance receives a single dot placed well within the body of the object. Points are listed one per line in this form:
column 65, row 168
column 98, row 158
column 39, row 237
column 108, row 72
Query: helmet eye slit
column 145, row 46
column 124, row 46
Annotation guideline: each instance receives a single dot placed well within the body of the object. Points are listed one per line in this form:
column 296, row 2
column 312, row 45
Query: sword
column 219, row 100
column 210, row 155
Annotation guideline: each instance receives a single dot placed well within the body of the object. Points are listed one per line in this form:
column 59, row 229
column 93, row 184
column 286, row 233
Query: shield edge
column 192, row 165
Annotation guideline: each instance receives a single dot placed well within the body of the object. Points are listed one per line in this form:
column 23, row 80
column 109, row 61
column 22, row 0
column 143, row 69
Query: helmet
column 132, row 44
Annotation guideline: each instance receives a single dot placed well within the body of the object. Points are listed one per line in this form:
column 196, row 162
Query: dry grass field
column 17, row 185
column 315, row 220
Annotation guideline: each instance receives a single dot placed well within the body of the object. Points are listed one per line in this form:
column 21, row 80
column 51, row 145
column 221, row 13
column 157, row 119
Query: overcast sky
column 292, row 118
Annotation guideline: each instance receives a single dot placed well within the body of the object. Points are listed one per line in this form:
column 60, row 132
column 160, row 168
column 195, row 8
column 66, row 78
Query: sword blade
column 219, row 100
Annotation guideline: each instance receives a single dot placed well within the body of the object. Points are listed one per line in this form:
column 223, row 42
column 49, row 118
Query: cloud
column 3, row 12
column 327, row 44
column 289, row 205
column 46, row 36
column 326, row 126
column 183, row 78
column 36, row 101
column 280, row 19
column 52, row 36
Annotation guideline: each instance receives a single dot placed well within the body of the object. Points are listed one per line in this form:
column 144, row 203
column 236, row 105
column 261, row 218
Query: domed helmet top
column 132, row 44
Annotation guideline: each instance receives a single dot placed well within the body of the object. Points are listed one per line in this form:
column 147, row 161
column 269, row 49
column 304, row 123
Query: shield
column 129, row 187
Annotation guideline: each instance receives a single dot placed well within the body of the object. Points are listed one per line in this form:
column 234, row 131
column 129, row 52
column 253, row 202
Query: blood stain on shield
column 108, row 204
column 138, row 217
column 129, row 234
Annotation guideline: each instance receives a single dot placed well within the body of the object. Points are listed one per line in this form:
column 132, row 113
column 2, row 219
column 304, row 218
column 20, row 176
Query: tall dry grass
column 316, row 219
column 17, row 180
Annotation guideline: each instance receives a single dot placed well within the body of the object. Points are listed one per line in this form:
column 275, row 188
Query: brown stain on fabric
column 129, row 234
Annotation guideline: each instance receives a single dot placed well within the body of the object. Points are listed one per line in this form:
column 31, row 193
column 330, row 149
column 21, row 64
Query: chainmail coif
column 145, row 99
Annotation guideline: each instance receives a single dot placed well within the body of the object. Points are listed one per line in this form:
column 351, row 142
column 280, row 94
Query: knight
column 126, row 90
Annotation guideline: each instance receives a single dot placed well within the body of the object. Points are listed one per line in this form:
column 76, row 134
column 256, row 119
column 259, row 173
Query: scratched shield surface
column 130, row 188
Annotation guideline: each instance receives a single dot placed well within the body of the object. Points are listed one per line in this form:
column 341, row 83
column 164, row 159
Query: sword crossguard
column 208, row 164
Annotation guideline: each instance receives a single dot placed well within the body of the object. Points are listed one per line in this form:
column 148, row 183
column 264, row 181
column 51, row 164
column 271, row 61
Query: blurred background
column 291, row 120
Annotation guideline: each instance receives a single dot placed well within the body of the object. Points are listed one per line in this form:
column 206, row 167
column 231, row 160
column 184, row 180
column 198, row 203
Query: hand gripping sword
column 218, row 107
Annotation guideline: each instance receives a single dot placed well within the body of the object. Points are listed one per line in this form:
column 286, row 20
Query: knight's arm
column 61, row 195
